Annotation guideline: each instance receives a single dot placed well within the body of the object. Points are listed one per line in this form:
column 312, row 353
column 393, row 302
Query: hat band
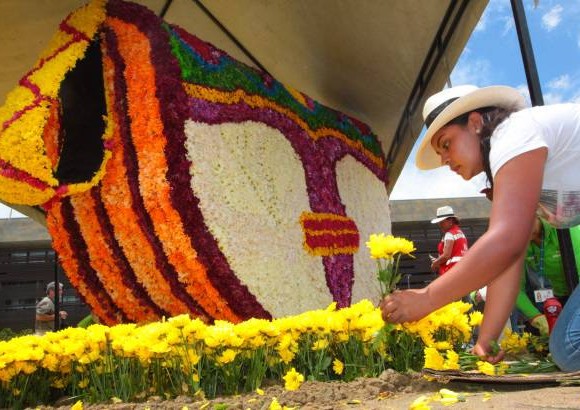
column 445, row 216
column 434, row 113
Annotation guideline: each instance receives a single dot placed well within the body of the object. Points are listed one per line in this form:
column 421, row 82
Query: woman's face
column 459, row 147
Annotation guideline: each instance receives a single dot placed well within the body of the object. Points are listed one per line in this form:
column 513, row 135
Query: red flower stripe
column 11, row 172
column 328, row 234
column 62, row 244
column 329, row 224
column 118, row 199
column 149, row 141
column 77, row 36
column 256, row 101
column 103, row 263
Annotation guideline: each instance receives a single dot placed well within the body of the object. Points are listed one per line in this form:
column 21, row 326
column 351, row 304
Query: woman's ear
column 474, row 122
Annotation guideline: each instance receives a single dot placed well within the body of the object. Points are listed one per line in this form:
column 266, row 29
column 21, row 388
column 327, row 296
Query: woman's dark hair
column 492, row 117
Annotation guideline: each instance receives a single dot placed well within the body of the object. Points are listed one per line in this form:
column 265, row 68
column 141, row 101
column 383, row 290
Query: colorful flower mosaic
column 213, row 188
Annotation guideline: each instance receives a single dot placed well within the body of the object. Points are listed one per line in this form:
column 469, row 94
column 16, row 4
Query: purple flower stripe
column 319, row 169
column 340, row 277
column 119, row 258
column 131, row 164
column 174, row 112
column 85, row 271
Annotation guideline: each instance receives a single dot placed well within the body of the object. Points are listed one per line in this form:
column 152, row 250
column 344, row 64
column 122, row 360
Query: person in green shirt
column 543, row 269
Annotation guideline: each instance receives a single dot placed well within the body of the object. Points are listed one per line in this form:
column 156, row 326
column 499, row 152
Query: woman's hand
column 435, row 265
column 484, row 351
column 406, row 305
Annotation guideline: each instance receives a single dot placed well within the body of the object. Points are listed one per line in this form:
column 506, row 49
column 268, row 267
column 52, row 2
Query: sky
column 492, row 57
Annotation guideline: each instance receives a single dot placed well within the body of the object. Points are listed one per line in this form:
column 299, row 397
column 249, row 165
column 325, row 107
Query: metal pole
column 527, row 53
column 56, row 295
column 566, row 249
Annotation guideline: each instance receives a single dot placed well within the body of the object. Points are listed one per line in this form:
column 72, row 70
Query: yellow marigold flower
column 275, row 405
column 452, row 362
column 192, row 357
column 77, row 406
column 59, row 383
column 502, row 368
column 260, row 391
column 405, row 246
column 337, row 366
column 445, row 345
column 433, row 359
column 293, row 380
column 475, row 318
column 83, row 383
column 320, row 344
column 420, row 403
column 381, row 246
column 227, row 356
column 486, row 368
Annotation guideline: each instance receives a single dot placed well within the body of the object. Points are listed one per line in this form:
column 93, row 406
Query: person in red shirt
column 453, row 245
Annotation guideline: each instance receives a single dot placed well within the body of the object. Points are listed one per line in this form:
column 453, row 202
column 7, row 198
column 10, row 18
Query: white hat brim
column 442, row 218
column 493, row 96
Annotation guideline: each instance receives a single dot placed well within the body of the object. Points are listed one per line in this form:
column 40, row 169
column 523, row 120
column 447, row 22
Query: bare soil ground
column 389, row 391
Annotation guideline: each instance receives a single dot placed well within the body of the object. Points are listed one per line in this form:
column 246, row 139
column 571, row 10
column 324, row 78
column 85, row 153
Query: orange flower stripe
column 61, row 243
column 102, row 261
column 149, row 140
column 51, row 134
column 257, row 101
column 116, row 196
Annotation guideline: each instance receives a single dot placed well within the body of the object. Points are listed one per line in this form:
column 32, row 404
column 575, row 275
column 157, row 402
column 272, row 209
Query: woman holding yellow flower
column 527, row 156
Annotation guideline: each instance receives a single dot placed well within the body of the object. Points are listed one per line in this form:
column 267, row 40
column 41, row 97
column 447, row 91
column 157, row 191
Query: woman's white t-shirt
column 556, row 127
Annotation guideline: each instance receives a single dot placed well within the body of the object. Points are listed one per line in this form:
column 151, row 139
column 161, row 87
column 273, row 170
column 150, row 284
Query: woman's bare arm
column 516, row 194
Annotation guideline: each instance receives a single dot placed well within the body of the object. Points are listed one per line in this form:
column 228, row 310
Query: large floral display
column 178, row 180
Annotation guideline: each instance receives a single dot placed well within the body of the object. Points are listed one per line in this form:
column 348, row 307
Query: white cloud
column 471, row 71
column 553, row 98
column 575, row 98
column 525, row 91
column 560, row 83
column 508, row 25
column 552, row 18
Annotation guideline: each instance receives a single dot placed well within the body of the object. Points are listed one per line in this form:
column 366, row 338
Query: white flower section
column 367, row 203
column 251, row 187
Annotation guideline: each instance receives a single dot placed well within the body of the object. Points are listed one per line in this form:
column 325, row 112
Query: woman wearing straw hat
column 453, row 245
column 531, row 157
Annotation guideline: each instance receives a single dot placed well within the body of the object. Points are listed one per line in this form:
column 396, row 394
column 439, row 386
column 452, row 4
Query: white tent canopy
column 376, row 60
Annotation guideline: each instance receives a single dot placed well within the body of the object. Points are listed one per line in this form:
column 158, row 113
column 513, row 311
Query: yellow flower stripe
column 26, row 110
column 256, row 101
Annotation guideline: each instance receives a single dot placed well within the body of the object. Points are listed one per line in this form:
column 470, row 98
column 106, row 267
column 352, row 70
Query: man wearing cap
column 45, row 311
column 453, row 245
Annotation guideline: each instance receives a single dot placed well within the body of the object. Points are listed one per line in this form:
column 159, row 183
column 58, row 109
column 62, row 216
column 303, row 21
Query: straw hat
column 453, row 102
column 444, row 212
